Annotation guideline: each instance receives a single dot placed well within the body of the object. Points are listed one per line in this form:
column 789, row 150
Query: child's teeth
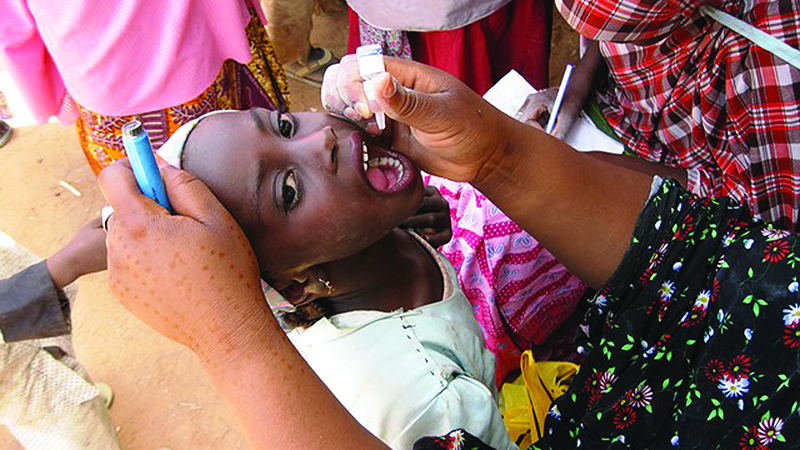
column 364, row 154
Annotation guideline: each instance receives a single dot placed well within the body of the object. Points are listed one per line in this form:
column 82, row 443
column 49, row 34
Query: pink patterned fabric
column 519, row 292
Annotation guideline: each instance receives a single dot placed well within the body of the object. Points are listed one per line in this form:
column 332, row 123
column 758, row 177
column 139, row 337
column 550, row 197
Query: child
column 388, row 329
column 45, row 399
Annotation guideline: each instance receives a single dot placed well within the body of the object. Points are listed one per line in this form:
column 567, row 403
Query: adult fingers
column 427, row 220
column 435, row 238
column 566, row 117
column 538, row 117
column 331, row 100
column 417, row 76
column 190, row 197
column 119, row 187
column 413, row 108
column 343, row 92
column 350, row 87
column 536, row 105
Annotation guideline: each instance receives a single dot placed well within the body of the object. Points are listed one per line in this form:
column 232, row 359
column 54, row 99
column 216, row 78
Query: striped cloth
column 688, row 92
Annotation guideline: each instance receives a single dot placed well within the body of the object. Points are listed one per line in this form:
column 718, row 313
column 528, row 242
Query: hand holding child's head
column 191, row 276
column 432, row 219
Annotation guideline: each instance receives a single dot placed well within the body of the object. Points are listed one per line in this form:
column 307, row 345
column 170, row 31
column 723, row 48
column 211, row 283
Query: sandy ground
column 162, row 397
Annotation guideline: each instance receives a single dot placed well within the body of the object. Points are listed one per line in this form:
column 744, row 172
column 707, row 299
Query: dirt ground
column 162, row 397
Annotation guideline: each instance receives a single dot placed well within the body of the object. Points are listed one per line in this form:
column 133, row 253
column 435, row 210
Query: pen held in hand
column 143, row 162
column 559, row 99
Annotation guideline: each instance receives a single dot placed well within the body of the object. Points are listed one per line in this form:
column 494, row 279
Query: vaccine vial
column 370, row 65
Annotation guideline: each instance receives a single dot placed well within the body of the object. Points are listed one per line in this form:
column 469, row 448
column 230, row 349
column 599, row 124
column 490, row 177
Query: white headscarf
column 172, row 150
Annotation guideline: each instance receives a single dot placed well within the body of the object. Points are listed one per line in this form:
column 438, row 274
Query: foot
column 313, row 68
column 5, row 133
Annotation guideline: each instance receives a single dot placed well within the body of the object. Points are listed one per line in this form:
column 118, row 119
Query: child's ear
column 303, row 286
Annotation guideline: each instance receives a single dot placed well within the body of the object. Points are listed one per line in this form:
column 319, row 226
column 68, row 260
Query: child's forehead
column 173, row 150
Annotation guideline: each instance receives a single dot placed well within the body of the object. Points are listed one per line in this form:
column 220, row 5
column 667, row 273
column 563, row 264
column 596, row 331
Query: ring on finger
column 106, row 214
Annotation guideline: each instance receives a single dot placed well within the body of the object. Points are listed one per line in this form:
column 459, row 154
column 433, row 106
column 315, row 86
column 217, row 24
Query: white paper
column 510, row 93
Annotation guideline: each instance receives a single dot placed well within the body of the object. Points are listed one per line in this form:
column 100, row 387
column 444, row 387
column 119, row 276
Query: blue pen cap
column 140, row 153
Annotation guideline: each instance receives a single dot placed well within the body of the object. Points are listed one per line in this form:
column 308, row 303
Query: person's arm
column 31, row 307
column 33, row 304
column 640, row 165
column 85, row 253
column 581, row 208
column 208, row 298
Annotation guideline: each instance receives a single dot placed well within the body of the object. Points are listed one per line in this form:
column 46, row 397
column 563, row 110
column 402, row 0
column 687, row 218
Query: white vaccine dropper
column 370, row 65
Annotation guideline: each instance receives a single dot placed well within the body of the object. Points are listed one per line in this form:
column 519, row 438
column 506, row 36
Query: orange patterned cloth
column 260, row 83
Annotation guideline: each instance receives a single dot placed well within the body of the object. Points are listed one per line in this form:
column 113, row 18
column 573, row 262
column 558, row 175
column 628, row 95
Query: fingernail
column 363, row 109
column 351, row 114
column 388, row 87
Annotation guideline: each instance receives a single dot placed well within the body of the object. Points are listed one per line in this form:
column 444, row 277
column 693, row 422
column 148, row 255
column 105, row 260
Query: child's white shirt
column 408, row 374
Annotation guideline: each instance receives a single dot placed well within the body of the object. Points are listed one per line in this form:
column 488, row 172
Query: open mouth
column 386, row 171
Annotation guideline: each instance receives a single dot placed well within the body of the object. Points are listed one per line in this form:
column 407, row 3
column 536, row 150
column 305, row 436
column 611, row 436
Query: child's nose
column 327, row 149
column 320, row 149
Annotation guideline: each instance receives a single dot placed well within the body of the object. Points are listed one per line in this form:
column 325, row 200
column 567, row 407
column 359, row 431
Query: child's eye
column 284, row 124
column 290, row 192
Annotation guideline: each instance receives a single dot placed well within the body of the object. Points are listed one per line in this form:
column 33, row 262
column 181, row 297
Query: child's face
column 298, row 188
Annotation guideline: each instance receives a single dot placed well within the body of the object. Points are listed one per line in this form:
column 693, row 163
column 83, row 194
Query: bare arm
column 85, row 253
column 581, row 208
column 208, row 298
column 646, row 167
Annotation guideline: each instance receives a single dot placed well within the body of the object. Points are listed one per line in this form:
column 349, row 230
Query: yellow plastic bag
column 524, row 402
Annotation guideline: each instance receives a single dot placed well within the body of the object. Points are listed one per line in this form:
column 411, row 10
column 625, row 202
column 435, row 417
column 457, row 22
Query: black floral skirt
column 694, row 343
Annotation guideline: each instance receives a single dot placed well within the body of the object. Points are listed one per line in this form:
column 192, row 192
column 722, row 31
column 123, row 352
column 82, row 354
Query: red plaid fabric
column 697, row 95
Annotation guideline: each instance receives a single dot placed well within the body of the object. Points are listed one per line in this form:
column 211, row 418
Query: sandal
column 5, row 133
column 105, row 393
column 311, row 72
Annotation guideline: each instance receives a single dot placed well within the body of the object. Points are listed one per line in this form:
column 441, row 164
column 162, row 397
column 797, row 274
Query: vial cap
column 370, row 60
column 132, row 129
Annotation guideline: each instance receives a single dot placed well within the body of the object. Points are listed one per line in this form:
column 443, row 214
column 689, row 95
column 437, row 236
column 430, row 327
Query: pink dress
column 118, row 57
column 519, row 292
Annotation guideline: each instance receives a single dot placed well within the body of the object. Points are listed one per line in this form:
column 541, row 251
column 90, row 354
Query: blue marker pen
column 145, row 169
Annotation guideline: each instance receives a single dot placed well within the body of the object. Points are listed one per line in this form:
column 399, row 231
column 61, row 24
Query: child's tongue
column 381, row 178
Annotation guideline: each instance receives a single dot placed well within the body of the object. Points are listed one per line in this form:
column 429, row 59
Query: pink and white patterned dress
column 520, row 294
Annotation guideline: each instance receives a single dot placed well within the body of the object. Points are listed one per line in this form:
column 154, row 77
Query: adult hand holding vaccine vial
column 370, row 65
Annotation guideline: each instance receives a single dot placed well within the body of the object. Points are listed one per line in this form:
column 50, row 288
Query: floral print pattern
column 705, row 352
